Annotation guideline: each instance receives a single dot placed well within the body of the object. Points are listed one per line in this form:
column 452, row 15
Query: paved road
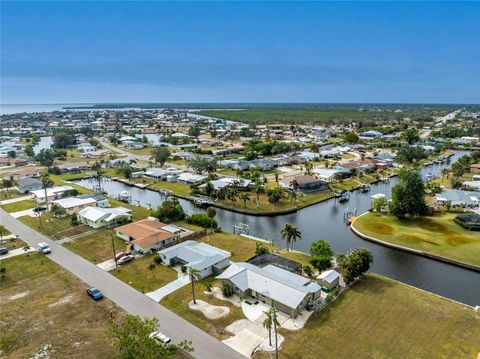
column 122, row 294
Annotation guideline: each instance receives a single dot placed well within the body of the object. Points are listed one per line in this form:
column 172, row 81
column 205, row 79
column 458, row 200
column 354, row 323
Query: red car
column 121, row 254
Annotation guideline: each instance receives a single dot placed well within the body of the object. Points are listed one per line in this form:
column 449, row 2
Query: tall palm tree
column 268, row 323
column 211, row 213
column 47, row 183
column 276, row 173
column 290, row 234
column 258, row 188
column 232, row 194
column 194, row 276
column 97, row 167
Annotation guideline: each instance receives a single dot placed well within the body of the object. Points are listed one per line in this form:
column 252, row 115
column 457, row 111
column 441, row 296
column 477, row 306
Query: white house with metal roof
column 203, row 257
column 285, row 290
column 98, row 217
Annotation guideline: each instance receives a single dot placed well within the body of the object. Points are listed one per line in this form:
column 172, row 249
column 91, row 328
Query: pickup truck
column 44, row 248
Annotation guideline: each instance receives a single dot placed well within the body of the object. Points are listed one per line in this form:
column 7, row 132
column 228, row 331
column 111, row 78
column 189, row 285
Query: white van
column 44, row 248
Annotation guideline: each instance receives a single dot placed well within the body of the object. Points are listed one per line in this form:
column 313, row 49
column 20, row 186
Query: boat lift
column 241, row 228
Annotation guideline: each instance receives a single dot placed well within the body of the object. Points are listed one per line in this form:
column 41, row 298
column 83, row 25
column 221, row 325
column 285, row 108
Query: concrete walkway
column 17, row 252
column 171, row 287
column 18, row 199
column 27, row 212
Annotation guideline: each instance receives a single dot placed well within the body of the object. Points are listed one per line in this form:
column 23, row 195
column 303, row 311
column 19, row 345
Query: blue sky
column 64, row 52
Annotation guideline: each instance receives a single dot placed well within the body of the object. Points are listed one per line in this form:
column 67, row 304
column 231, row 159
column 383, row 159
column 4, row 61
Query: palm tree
column 232, row 194
column 293, row 194
column 269, row 322
column 47, row 183
column 258, row 188
column 290, row 234
column 194, row 276
column 211, row 213
column 244, row 197
column 276, row 173
column 97, row 167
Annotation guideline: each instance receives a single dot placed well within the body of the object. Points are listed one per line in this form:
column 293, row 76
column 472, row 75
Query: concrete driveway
column 27, row 212
column 107, row 266
column 244, row 342
column 17, row 252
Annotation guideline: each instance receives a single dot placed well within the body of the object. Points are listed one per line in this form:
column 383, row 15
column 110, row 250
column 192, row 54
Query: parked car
column 3, row 251
column 121, row 254
column 39, row 209
column 126, row 259
column 94, row 293
column 162, row 338
column 44, row 248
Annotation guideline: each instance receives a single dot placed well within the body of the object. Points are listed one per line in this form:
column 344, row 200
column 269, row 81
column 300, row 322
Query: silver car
column 162, row 338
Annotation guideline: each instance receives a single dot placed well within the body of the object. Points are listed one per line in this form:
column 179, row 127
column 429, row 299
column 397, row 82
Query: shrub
column 202, row 220
column 261, row 249
column 308, row 270
column 184, row 268
column 172, row 262
column 227, row 289
column 157, row 259
column 208, row 286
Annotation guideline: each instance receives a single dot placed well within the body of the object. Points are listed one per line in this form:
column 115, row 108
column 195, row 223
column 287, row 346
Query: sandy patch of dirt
column 64, row 300
column 19, row 295
column 209, row 310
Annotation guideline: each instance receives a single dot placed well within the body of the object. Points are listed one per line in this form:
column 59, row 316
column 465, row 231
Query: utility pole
column 114, row 254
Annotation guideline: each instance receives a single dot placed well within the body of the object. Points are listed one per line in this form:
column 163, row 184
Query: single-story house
column 27, row 184
column 472, row 184
column 53, row 193
column 149, row 234
column 458, row 198
column 73, row 205
column 98, row 217
column 94, row 154
column 190, row 178
column 329, row 279
column 286, row 291
column 203, row 257
column 229, row 181
column 475, row 167
column 370, row 134
column 325, row 174
column 308, row 183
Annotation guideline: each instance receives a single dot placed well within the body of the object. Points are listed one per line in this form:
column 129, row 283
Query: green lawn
column 51, row 307
column 382, row 319
column 56, row 228
column 12, row 243
column 438, row 235
column 138, row 275
column 178, row 303
column 19, row 206
column 97, row 246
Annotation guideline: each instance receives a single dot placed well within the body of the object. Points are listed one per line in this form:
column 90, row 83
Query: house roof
column 278, row 284
column 40, row 193
column 197, row 255
column 28, row 181
column 72, row 202
column 143, row 228
column 329, row 276
column 108, row 214
column 306, row 179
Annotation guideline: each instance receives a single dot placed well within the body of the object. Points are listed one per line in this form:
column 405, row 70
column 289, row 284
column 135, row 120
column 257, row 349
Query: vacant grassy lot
column 56, row 228
column 379, row 318
column 19, row 206
column 138, row 275
column 97, row 246
column 299, row 115
column 12, row 243
column 438, row 235
column 178, row 303
column 43, row 304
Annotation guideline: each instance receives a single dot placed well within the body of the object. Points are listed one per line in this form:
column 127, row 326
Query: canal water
column 325, row 221
column 45, row 142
